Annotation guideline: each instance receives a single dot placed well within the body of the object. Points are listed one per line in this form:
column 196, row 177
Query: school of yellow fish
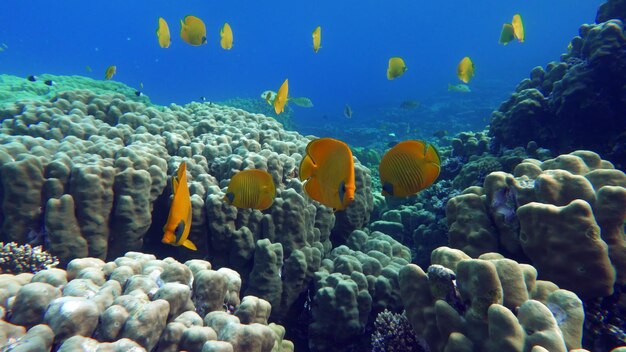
column 193, row 32
column 327, row 168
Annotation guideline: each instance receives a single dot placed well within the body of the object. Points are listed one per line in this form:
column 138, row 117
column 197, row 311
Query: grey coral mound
column 149, row 310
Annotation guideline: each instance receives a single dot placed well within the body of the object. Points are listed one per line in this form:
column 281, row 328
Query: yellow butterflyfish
column 317, row 38
column 409, row 167
column 465, row 69
column 518, row 27
column 178, row 225
column 396, row 68
column 163, row 33
column 111, row 70
column 281, row 97
column 328, row 169
column 193, row 30
column 251, row 189
column 226, row 35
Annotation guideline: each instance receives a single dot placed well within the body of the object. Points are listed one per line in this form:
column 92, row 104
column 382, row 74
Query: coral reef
column 525, row 215
column 14, row 88
column 134, row 303
column 16, row 259
column 575, row 103
column 355, row 283
column 93, row 169
column 464, row 304
column 260, row 106
column 612, row 9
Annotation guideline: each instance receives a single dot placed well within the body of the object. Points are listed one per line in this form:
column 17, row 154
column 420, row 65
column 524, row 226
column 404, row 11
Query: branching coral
column 16, row 259
column 393, row 334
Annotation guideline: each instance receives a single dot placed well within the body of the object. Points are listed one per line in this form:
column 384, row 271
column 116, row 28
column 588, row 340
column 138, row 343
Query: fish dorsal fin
column 174, row 184
column 431, row 154
column 307, row 168
column 321, row 149
column 182, row 169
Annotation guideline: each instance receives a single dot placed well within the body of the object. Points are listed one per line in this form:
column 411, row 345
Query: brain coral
column 88, row 174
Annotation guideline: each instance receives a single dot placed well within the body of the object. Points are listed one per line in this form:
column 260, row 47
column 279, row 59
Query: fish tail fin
column 450, row 87
column 190, row 245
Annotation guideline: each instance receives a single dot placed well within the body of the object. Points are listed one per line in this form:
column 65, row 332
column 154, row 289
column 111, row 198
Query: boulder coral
column 89, row 175
column 355, row 283
column 488, row 304
column 565, row 215
column 148, row 310
column 559, row 107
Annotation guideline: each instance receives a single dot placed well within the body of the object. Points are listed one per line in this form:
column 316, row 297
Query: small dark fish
column 347, row 112
column 32, row 78
column 203, row 98
column 410, row 104
column 138, row 93
column 48, row 82
column 440, row 134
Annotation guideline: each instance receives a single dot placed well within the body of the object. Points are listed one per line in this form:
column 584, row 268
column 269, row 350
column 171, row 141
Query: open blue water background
column 272, row 41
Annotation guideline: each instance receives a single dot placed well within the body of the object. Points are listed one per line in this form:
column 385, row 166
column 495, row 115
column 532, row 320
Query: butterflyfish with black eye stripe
column 465, row 69
column 518, row 27
column 317, row 39
column 251, row 189
column 328, row 169
column 193, row 30
column 226, row 37
column 176, row 229
column 395, row 68
column 409, row 167
column 163, row 34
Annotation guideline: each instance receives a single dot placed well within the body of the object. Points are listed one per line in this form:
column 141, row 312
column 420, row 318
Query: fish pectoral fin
column 168, row 238
column 188, row 244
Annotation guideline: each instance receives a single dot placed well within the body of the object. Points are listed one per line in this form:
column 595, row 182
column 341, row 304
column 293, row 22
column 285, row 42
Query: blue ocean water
column 272, row 41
